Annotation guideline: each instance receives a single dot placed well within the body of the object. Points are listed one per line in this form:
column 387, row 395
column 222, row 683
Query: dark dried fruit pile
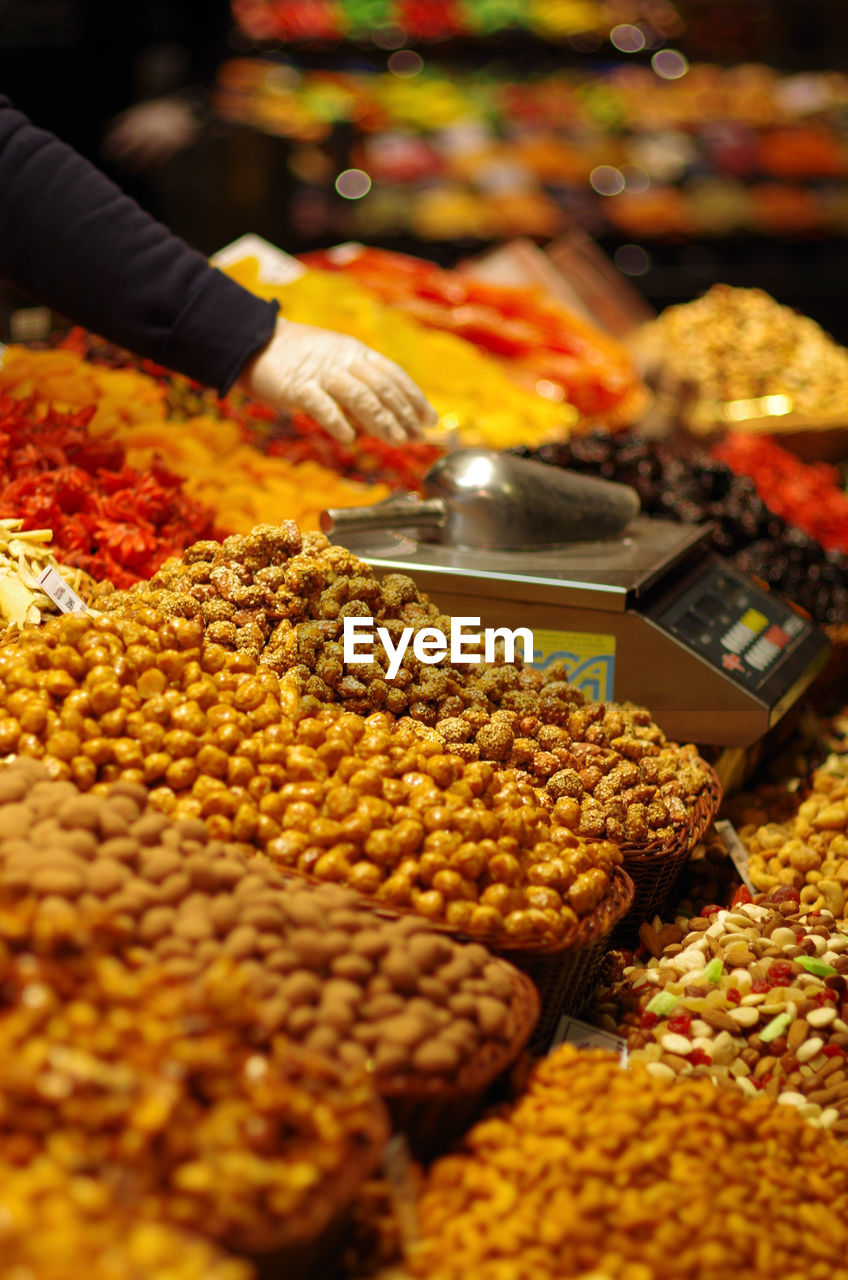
column 700, row 489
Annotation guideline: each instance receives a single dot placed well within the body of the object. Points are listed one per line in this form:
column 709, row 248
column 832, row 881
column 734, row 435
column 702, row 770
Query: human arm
column 73, row 241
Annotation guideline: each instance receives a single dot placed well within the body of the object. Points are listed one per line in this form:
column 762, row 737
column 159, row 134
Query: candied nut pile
column 610, row 765
column 282, row 597
column 739, row 344
column 385, row 810
column 214, row 737
column 808, row 851
column 389, row 995
column 164, row 1089
column 598, row 1171
column 755, row 997
column 50, row 1222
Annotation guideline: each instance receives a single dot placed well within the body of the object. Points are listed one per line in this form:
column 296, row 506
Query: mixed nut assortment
column 755, row 996
column 596, row 1171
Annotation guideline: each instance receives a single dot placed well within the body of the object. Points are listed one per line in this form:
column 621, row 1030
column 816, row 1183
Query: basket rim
column 586, row 929
column 703, row 813
column 485, row 1064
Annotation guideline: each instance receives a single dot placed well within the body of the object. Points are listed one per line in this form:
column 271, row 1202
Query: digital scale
column 652, row 616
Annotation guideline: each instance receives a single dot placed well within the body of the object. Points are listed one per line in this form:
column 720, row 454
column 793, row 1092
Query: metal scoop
column 487, row 501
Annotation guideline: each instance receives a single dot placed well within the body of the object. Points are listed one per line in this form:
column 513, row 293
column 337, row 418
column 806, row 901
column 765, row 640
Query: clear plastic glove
column 150, row 132
column 339, row 382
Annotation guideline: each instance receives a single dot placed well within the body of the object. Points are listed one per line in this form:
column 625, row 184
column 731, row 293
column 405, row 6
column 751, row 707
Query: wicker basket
column 308, row 1245
column 321, row 1256
column 654, row 868
column 566, row 973
column 563, row 971
column 434, row 1114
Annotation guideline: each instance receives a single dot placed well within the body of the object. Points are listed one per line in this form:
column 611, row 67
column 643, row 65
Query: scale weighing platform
column 652, row 616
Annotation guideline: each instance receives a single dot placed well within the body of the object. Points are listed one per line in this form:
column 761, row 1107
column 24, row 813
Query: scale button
column 736, row 638
column 762, row 653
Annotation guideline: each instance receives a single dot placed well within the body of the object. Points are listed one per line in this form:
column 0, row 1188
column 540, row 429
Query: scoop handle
column 393, row 513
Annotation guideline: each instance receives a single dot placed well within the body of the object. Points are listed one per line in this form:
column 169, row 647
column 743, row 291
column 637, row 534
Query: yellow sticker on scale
column 589, row 659
column 754, row 621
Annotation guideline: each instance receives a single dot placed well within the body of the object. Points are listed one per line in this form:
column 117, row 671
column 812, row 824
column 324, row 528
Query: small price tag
column 738, row 852
column 573, row 1031
column 397, row 1168
column 64, row 597
column 275, row 266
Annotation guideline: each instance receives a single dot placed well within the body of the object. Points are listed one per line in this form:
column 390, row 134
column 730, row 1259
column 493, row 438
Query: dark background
column 73, row 64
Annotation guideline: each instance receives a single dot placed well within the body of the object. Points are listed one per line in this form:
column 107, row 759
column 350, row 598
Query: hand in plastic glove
column 150, row 132
column 338, row 381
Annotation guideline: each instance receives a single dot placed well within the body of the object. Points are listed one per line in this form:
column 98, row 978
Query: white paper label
column 738, row 852
column 397, row 1168
column 573, row 1031
column 64, row 597
column 275, row 266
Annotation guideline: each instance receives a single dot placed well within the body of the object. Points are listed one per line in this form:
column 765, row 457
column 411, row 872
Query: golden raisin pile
column 600, row 1171
column 50, row 1223
column 164, row 1090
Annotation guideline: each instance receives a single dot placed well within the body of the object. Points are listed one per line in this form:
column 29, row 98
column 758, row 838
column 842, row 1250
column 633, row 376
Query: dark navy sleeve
column 71, row 240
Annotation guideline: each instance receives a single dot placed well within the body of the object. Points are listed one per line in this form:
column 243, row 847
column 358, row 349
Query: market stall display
column 751, row 997
column 432, row 1019
column 474, row 397
column 478, row 154
column 600, row 1170
column 329, row 20
column 135, row 462
column 765, row 506
column 315, row 903
column 540, row 343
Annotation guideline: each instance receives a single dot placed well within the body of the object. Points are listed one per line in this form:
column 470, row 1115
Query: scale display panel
column 743, row 631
